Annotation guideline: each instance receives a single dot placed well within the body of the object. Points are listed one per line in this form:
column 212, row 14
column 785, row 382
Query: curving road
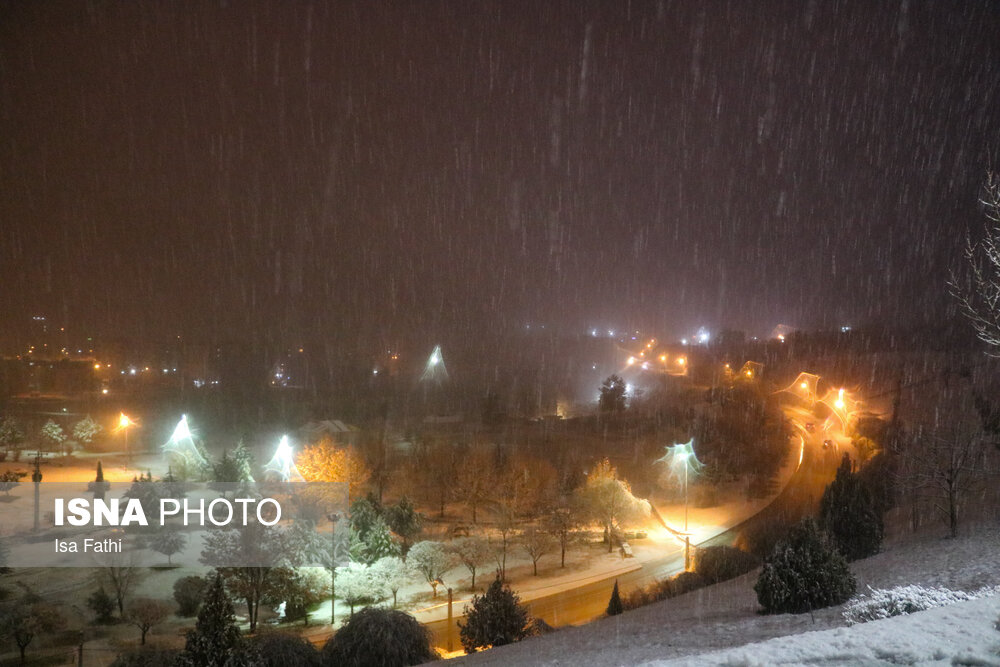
column 587, row 602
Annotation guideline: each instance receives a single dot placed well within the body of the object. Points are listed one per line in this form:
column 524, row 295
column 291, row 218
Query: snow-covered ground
column 721, row 624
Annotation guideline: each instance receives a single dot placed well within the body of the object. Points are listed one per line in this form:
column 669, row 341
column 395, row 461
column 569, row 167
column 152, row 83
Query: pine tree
column 215, row 636
column 494, row 619
column 849, row 514
column 804, row 572
column 615, row 604
column 98, row 487
column 379, row 542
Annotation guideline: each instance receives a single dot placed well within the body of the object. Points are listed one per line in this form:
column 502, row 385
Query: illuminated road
column 585, row 603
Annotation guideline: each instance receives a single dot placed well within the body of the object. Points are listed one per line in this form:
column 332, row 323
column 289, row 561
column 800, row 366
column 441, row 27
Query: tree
column 215, row 636
column 364, row 513
column 379, row 637
column 472, row 552
column 250, row 583
column 978, row 291
column 52, row 435
column 86, row 430
column 11, row 434
column 188, row 594
column 27, row 619
column 300, row 589
column 561, row 525
column 475, row 480
column 146, row 613
column 404, row 520
column 102, row 604
column 390, row 573
column 804, row 572
column 847, row 512
column 354, row 584
column 168, row 541
column 495, row 618
column 99, row 487
column 612, row 396
column 121, row 575
column 536, row 543
column 944, row 452
column 9, row 480
column 380, row 542
column 615, row 603
column 325, row 462
column 609, row 500
column 243, row 461
column 430, row 559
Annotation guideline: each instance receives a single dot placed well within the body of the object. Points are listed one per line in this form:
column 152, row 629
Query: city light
column 435, row 370
column 630, row 361
column 663, row 358
column 181, row 443
column 839, row 403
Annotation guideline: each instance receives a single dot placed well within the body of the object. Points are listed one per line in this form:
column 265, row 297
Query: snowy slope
column 724, row 616
column 959, row 634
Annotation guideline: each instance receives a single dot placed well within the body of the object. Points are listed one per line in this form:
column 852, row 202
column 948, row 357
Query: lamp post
column 334, row 518
column 124, row 423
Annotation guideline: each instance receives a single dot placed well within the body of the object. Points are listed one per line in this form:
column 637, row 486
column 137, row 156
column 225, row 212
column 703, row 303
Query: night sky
column 428, row 170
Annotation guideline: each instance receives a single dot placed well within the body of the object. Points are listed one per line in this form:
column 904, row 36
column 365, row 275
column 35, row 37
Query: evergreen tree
column 615, row 604
column 493, row 619
column 215, row 636
column 404, row 520
column 243, row 462
column 849, row 514
column 379, row 542
column 804, row 572
column 98, row 487
column 364, row 514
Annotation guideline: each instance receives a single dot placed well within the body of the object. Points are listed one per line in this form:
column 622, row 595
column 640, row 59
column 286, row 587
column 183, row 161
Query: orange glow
column 663, row 358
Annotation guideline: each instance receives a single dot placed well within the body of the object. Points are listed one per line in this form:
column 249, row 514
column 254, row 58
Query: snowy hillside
column 720, row 624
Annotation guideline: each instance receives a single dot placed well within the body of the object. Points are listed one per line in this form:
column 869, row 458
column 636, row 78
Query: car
column 810, row 427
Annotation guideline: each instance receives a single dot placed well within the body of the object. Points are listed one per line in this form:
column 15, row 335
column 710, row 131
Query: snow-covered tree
column 354, row 584
column 978, row 290
column 379, row 542
column 168, row 541
column 86, row 430
column 431, row 560
column 53, row 434
column 493, row 619
column 536, row 543
column 390, row 574
column 609, row 500
column 472, row 552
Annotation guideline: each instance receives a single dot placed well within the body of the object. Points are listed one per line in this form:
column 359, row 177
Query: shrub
column 493, row 619
column 375, row 636
column 902, row 600
column 717, row 564
column 848, row 513
column 663, row 589
column 188, row 593
column 146, row 658
column 804, row 572
column 759, row 539
column 103, row 606
column 278, row 649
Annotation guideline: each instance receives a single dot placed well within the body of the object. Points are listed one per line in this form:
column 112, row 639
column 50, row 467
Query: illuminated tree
column 355, row 584
column 978, row 292
column 493, row 619
column 472, row 552
column 390, row 574
column 53, row 434
column 609, row 500
column 216, row 638
column 612, row 397
column 537, row 543
column 86, row 430
column 325, row 462
column 430, row 559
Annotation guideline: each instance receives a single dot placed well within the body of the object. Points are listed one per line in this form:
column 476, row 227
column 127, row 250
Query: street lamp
column 681, row 458
column 124, row 424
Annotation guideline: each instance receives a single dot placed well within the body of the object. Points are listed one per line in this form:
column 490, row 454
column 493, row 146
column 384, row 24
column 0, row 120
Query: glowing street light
column 630, row 361
column 124, row 424
column 181, row 443
column 681, row 458
column 282, row 463
column 839, row 403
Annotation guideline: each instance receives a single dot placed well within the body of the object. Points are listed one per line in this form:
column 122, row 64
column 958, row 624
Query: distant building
column 330, row 428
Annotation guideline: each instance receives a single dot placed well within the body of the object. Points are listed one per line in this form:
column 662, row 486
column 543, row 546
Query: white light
column 645, row 365
column 181, row 431
column 684, row 341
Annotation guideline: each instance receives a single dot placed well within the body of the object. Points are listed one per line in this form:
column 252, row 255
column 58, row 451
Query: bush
column 375, row 636
column 682, row 583
column 188, row 593
column 103, row 606
column 848, row 513
column 902, row 600
column 493, row 619
column 804, row 572
column 278, row 649
column 717, row 564
column 146, row 658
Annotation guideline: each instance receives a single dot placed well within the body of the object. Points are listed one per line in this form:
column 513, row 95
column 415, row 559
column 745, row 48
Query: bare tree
column 473, row 552
column 144, row 613
column 978, row 292
column 945, row 456
column 121, row 575
column 537, row 543
column 561, row 524
column 475, row 479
